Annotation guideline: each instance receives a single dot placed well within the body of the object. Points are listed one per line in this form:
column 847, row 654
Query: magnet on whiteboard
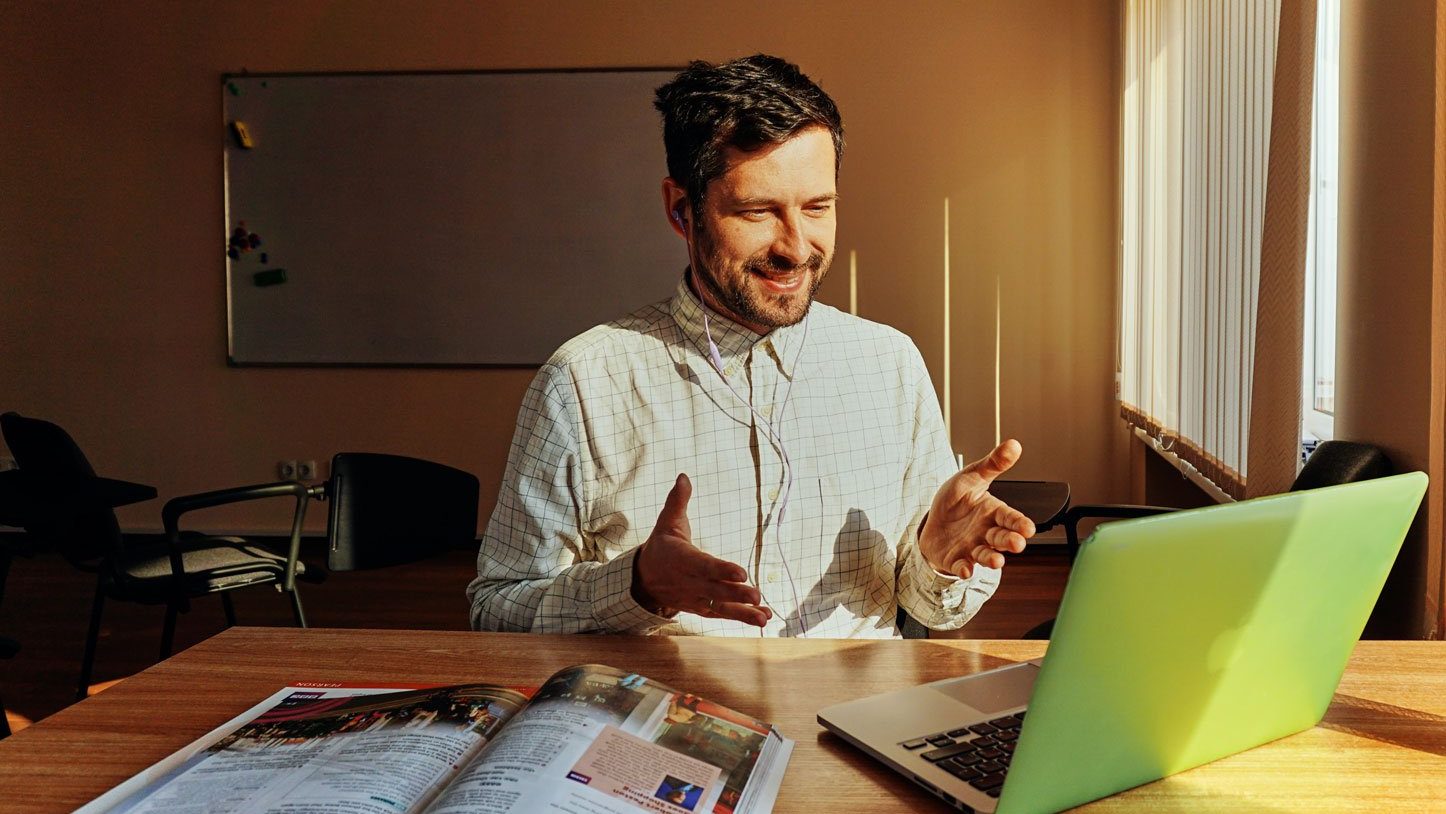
column 261, row 279
column 243, row 136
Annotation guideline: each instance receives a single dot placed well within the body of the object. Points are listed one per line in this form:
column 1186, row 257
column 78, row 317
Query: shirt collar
column 733, row 340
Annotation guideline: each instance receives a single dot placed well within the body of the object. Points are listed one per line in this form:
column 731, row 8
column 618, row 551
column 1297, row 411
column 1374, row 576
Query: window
column 1198, row 80
column 1319, row 359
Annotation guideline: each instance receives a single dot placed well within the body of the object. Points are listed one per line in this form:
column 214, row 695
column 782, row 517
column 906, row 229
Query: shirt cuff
column 941, row 601
column 612, row 603
column 931, row 580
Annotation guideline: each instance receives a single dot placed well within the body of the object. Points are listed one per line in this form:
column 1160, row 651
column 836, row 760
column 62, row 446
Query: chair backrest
column 56, row 465
column 1336, row 462
column 44, row 449
column 389, row 509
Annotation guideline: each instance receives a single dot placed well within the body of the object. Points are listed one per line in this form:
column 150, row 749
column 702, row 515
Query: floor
column 47, row 603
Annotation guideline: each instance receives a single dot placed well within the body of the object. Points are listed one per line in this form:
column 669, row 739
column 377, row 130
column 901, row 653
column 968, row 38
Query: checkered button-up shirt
column 617, row 412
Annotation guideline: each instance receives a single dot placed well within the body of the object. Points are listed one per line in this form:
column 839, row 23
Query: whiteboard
column 442, row 218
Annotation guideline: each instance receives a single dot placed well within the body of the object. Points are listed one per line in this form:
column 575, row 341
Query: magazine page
column 332, row 751
column 595, row 740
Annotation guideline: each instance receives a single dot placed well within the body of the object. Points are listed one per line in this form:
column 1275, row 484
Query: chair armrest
column 1043, row 502
column 1119, row 511
column 1101, row 511
column 178, row 506
column 23, row 493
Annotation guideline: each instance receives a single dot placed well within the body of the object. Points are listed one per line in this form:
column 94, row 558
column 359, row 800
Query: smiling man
column 738, row 459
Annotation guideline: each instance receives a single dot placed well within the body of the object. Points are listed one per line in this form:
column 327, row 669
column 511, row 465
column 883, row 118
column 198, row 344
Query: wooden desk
column 1382, row 746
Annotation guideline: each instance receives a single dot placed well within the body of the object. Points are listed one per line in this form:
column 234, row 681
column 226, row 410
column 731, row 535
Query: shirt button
column 772, row 576
column 767, row 411
column 729, row 371
column 773, row 494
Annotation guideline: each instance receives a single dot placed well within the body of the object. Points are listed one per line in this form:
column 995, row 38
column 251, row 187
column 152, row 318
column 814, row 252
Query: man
column 739, row 460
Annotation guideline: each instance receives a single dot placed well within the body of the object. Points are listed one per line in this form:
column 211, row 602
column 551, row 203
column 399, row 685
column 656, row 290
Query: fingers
column 738, row 592
column 988, row 557
column 1000, row 539
column 742, row 612
column 1011, row 519
column 1010, row 533
column 727, row 595
column 674, row 516
column 998, row 462
column 997, row 541
column 962, row 568
column 672, row 573
column 723, row 570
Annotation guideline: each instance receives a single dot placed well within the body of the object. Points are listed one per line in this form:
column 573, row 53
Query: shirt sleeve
column 937, row 601
column 535, row 570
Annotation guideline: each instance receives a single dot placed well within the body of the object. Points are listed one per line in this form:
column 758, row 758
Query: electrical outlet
column 306, row 470
column 286, row 469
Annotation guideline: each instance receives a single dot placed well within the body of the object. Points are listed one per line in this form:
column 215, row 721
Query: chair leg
column 296, row 607
column 168, row 632
column 229, row 608
column 4, row 722
column 87, row 661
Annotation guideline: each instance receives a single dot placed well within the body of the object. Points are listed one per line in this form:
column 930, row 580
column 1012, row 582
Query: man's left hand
column 967, row 526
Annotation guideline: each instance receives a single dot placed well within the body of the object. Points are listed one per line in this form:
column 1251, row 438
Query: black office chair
column 12, row 502
column 8, row 646
column 385, row 510
column 1331, row 464
column 389, row 510
column 67, row 506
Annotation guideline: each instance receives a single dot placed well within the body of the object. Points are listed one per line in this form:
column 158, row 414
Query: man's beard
column 735, row 295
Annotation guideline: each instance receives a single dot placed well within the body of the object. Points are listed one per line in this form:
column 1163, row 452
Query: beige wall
column 1384, row 324
column 112, row 309
column 1435, row 597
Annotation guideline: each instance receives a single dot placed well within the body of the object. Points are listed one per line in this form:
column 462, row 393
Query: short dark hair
column 744, row 103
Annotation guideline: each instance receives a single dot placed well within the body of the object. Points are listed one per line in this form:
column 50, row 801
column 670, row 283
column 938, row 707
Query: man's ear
column 675, row 202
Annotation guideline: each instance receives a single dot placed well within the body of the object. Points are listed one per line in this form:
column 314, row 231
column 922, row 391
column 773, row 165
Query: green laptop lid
column 1186, row 637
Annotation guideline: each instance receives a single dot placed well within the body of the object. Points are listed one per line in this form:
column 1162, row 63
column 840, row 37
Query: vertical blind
column 1195, row 153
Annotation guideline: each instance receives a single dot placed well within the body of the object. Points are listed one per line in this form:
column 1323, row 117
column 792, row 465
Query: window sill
column 1190, row 472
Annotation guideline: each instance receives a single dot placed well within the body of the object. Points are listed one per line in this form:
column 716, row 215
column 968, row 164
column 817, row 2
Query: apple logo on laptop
column 1224, row 650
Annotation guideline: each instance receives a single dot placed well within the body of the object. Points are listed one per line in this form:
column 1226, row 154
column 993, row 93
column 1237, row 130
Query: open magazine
column 592, row 740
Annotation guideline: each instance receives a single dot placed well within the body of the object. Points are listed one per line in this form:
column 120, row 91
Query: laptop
column 1181, row 638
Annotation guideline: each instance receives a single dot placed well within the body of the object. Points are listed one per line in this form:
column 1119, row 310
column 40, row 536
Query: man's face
column 764, row 239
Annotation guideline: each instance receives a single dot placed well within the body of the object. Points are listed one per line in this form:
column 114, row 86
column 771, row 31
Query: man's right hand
column 671, row 574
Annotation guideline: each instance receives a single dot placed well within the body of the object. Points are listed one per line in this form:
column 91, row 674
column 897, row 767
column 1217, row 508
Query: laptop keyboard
column 978, row 754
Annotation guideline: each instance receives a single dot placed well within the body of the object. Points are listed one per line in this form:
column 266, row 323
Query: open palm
column 967, row 526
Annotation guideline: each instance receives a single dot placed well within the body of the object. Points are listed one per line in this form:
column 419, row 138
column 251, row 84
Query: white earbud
column 716, row 358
